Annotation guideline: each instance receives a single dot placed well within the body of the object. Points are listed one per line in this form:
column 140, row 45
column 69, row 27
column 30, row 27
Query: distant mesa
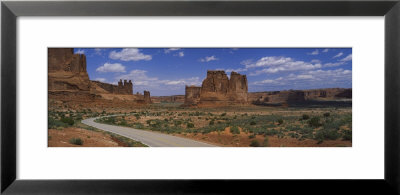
column 219, row 90
column 68, row 80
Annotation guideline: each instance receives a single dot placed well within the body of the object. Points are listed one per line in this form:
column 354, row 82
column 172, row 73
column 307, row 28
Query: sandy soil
column 228, row 139
column 60, row 138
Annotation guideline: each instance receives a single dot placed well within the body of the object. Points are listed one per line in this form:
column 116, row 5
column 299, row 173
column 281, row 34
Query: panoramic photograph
column 199, row 97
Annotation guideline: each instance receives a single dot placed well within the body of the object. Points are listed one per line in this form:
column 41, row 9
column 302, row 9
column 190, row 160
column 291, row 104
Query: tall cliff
column 67, row 71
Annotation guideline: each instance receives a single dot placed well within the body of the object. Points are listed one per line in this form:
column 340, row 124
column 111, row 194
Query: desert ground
column 319, row 125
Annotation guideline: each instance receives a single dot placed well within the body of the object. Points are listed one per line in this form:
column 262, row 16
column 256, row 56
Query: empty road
column 151, row 139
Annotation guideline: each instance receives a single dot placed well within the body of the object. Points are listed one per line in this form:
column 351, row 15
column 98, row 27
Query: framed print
column 172, row 96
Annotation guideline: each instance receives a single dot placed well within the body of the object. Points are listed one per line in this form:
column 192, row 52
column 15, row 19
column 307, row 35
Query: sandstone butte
column 219, row 90
column 68, row 80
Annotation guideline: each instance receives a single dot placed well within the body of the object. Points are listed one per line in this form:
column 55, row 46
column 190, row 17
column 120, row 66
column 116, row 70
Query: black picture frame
column 10, row 10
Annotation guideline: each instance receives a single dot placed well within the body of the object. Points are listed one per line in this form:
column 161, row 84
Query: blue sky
column 166, row 71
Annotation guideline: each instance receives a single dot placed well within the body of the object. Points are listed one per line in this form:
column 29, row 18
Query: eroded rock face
column 67, row 71
column 147, row 98
column 218, row 89
column 124, row 88
column 192, row 95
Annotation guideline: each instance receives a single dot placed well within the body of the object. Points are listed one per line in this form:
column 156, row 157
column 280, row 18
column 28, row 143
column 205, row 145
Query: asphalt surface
column 151, row 139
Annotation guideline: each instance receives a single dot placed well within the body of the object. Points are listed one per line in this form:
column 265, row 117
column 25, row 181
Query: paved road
column 151, row 139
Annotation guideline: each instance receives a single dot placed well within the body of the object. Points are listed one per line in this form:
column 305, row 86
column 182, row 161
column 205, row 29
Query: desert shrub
column 235, row 130
column 138, row 125
column 177, row 122
column 137, row 116
column 347, row 134
column 266, row 142
column 54, row 123
column 327, row 114
column 223, row 114
column 305, row 117
column 76, row 141
column 271, row 132
column 255, row 143
column 252, row 136
column 190, row 125
column 327, row 134
column 253, row 123
column 67, row 120
column 314, row 122
column 280, row 121
column 212, row 122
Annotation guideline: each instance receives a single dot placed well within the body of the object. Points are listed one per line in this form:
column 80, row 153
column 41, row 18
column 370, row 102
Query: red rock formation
column 68, row 81
column 147, row 98
column 67, row 71
column 218, row 89
column 192, row 95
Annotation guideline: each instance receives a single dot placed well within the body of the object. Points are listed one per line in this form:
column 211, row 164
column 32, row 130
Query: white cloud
column 315, row 52
column 98, row 51
column 140, row 78
column 180, row 54
column 267, row 81
column 316, row 61
column 101, row 79
column 309, row 79
column 170, row 50
column 304, row 76
column 129, row 54
column 279, row 64
column 325, row 50
column 188, row 81
column 333, row 64
column 233, row 70
column 80, row 51
column 347, row 58
column 108, row 67
column 338, row 55
column 208, row 59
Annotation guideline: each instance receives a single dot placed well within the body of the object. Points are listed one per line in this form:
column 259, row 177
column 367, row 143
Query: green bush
column 347, row 134
column 254, row 143
column 76, row 141
column 327, row 134
column 212, row 122
column 253, row 123
column 252, row 136
column 53, row 123
column 305, row 117
column 314, row 122
column 69, row 121
column 190, row 125
column 327, row 114
column 235, row 130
